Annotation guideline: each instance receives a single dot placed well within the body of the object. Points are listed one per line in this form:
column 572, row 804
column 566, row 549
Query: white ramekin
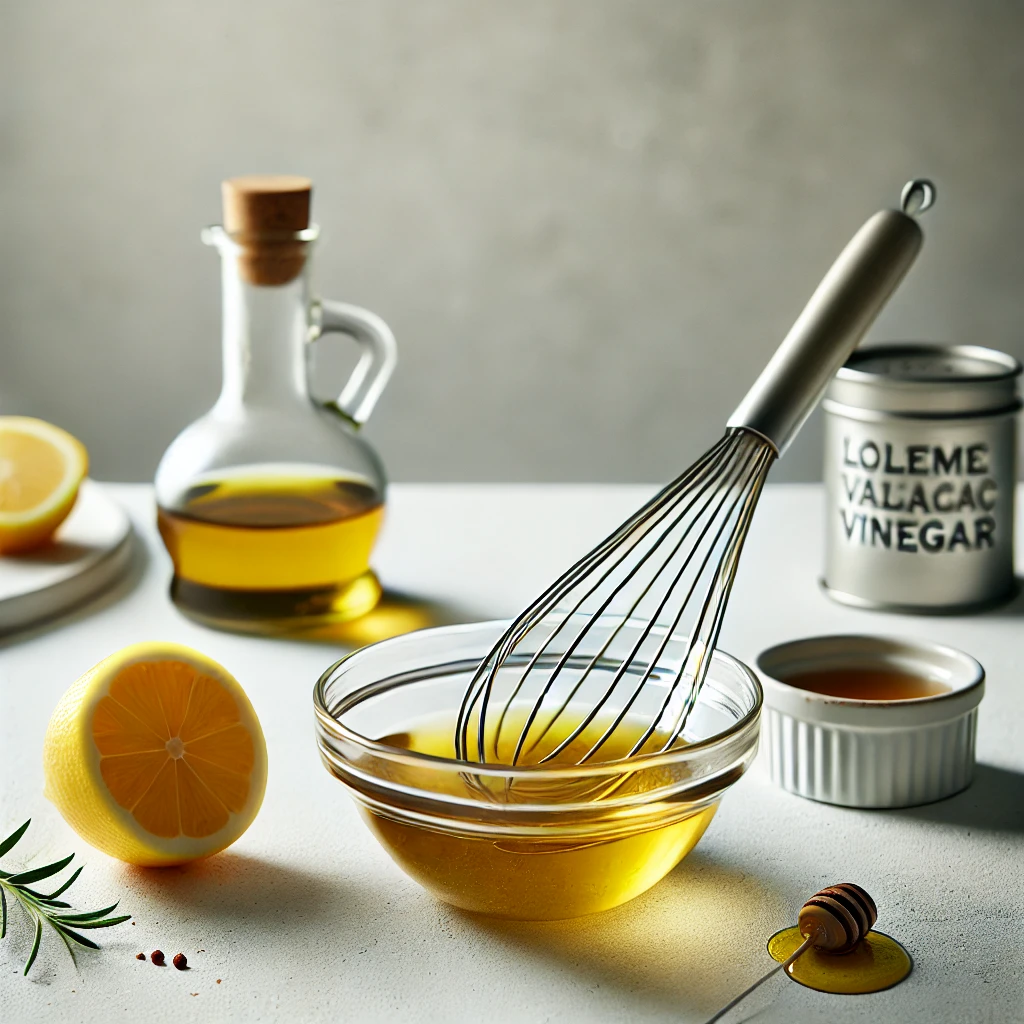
column 870, row 753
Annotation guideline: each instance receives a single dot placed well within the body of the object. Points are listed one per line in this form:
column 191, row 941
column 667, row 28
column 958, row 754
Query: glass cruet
column 270, row 503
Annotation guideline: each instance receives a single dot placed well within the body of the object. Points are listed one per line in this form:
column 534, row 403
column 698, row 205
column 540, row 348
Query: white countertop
column 305, row 918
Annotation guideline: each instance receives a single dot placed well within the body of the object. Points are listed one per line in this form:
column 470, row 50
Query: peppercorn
column 157, row 957
column 180, row 962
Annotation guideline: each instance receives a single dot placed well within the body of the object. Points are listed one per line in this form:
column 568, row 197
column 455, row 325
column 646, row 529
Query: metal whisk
column 600, row 647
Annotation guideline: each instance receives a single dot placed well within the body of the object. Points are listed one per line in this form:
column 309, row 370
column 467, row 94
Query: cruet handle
column 376, row 363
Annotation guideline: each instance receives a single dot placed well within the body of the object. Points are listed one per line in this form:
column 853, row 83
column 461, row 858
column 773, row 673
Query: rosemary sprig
column 46, row 908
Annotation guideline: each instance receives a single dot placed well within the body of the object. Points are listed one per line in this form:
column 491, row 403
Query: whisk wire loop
column 704, row 633
column 714, row 471
column 736, row 471
column 636, row 527
column 765, row 460
column 675, row 556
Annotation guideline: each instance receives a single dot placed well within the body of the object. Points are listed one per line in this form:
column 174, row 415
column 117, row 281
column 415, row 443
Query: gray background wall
column 588, row 221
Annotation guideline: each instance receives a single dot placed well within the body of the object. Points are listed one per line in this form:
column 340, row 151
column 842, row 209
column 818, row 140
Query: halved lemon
column 155, row 756
column 41, row 467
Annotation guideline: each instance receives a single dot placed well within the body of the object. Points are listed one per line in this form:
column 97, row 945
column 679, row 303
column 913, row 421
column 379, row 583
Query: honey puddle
column 546, row 866
column 877, row 962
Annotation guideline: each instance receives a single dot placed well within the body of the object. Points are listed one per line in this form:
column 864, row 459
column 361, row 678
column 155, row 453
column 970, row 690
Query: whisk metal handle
column 832, row 323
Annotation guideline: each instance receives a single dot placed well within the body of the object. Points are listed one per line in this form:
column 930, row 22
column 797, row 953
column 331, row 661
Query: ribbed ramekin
column 870, row 753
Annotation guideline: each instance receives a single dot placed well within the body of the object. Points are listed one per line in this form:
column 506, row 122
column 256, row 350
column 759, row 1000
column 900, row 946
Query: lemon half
column 155, row 756
column 41, row 468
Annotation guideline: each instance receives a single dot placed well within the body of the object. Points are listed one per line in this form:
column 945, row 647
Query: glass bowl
column 532, row 842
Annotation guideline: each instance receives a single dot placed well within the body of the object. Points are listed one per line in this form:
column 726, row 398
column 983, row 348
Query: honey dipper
column 833, row 920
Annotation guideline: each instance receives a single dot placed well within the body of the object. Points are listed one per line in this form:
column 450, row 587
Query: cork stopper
column 262, row 213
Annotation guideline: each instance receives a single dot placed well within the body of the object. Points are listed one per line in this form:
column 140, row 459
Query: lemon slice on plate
column 41, row 467
column 155, row 756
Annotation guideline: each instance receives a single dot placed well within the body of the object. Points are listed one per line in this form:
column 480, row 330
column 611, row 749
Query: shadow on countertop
column 658, row 947
column 236, row 887
column 396, row 613
column 993, row 801
column 1012, row 607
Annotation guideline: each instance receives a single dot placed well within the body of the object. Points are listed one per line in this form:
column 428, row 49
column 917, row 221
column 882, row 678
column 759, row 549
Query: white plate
column 92, row 549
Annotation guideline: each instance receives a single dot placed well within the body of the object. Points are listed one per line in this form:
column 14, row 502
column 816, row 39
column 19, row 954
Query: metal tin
column 920, row 468
column 870, row 753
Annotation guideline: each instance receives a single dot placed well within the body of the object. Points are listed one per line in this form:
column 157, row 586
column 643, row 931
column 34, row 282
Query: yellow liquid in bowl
column 548, row 876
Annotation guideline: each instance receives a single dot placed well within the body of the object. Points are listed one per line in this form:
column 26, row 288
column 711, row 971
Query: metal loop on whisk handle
column 833, row 920
column 840, row 311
